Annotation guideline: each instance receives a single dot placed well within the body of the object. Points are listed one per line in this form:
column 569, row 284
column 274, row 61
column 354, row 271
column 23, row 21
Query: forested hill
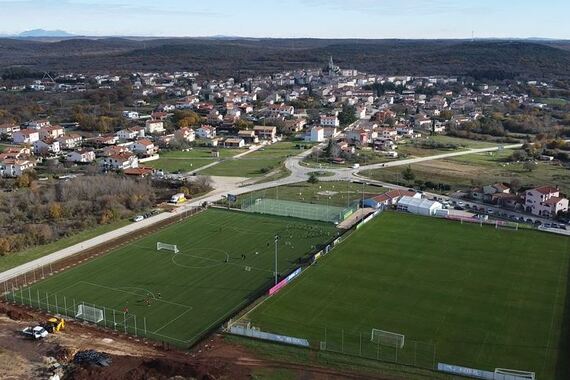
column 218, row 57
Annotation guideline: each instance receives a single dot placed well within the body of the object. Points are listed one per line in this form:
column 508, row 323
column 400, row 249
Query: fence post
column 378, row 350
column 104, row 317
column 342, row 340
column 144, row 321
column 65, row 305
column 125, row 321
column 25, row 279
column 47, row 302
column 326, row 343
column 39, row 302
column 74, row 308
column 34, row 275
column 396, row 354
column 136, row 325
column 30, row 296
column 360, row 349
column 43, row 275
column 56, row 308
column 114, row 322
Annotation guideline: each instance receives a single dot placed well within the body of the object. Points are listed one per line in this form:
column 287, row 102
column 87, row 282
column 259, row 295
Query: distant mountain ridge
column 44, row 33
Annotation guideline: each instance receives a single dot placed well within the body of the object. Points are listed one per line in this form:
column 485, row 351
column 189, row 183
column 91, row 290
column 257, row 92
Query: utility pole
column 276, row 245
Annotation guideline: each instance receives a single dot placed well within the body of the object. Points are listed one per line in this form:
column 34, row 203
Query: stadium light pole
column 276, row 241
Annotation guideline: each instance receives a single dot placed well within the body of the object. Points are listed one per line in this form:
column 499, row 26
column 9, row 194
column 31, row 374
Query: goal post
column 514, row 373
column 387, row 338
column 506, row 225
column 89, row 313
column 169, row 247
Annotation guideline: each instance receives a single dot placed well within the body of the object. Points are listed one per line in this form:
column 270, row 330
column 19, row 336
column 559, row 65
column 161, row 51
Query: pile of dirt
column 61, row 353
column 14, row 313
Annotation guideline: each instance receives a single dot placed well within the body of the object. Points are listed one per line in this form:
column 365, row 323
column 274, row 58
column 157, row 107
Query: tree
column 332, row 150
column 55, row 210
column 408, row 174
column 515, row 185
column 529, row 166
column 347, row 115
column 313, row 179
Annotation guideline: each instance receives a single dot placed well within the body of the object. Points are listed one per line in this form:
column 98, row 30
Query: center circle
column 192, row 259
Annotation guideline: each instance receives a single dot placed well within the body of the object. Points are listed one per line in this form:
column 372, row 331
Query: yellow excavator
column 54, row 325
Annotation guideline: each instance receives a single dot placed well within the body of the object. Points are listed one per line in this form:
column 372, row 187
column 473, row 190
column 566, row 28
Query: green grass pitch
column 176, row 297
column 484, row 298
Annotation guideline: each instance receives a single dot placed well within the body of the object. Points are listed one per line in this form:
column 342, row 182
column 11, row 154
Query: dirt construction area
column 130, row 358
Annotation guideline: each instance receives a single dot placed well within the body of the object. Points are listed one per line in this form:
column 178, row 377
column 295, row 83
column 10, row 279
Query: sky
column 293, row 18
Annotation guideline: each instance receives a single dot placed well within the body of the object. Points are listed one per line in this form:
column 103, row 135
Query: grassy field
column 14, row 259
column 333, row 193
column 257, row 163
column 177, row 297
column 174, row 161
column 481, row 297
column 465, row 172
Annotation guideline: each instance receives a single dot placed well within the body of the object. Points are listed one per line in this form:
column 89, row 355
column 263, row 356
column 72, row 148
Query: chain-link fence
column 122, row 321
column 413, row 353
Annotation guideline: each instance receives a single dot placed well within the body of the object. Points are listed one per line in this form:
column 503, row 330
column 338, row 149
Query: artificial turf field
column 481, row 297
column 177, row 297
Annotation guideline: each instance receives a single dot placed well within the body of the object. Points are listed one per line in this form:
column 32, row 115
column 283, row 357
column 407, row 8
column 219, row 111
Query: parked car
column 138, row 218
column 37, row 332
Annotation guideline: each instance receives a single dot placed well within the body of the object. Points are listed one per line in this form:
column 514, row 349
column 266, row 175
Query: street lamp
column 276, row 242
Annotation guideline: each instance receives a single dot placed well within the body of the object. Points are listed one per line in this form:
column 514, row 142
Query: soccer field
column 177, row 297
column 461, row 294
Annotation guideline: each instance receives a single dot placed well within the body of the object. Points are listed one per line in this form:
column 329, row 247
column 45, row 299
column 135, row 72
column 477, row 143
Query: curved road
column 299, row 173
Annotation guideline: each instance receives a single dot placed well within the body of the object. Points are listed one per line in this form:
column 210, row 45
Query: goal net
column 513, row 373
column 89, row 313
column 168, row 247
column 506, row 225
column 387, row 338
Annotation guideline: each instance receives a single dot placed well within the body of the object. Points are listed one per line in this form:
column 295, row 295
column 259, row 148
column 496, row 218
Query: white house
column 70, row 141
column 317, row 134
column 53, row 131
column 130, row 133
column 14, row 168
column 154, row 126
column 329, row 121
column 46, row 146
column 25, row 136
column 82, row 156
column 185, row 134
column 265, row 133
column 206, row 132
column 121, row 161
column 8, row 129
column 234, row 142
column 545, row 201
column 131, row 115
column 38, row 124
column 144, row 147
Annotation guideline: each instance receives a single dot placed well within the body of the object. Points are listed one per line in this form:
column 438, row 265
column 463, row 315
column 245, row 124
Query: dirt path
column 133, row 359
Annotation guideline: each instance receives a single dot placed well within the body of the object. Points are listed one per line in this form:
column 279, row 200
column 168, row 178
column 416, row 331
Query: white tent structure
column 419, row 206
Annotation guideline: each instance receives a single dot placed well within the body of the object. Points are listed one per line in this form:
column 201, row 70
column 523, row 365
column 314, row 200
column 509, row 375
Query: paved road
column 299, row 173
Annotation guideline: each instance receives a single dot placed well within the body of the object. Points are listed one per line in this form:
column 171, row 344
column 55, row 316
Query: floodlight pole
column 276, row 242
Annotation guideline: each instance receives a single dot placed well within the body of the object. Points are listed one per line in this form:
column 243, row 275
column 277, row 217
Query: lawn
column 255, row 164
column 333, row 193
column 465, row 172
column 461, row 294
column 178, row 297
column 174, row 161
column 14, row 259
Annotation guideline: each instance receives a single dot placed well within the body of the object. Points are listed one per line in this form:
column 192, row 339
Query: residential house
column 185, row 134
column 265, row 133
column 545, row 201
column 25, row 136
column 317, row 134
column 139, row 172
column 120, row 161
column 206, row 132
column 329, row 121
column 130, row 133
column 144, row 147
column 70, row 141
column 14, row 168
column 16, row 152
column 81, row 156
column 234, row 142
column 6, row 130
column 46, row 146
column 154, row 126
column 249, row 136
column 52, row 131
column 38, row 124
column 390, row 198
